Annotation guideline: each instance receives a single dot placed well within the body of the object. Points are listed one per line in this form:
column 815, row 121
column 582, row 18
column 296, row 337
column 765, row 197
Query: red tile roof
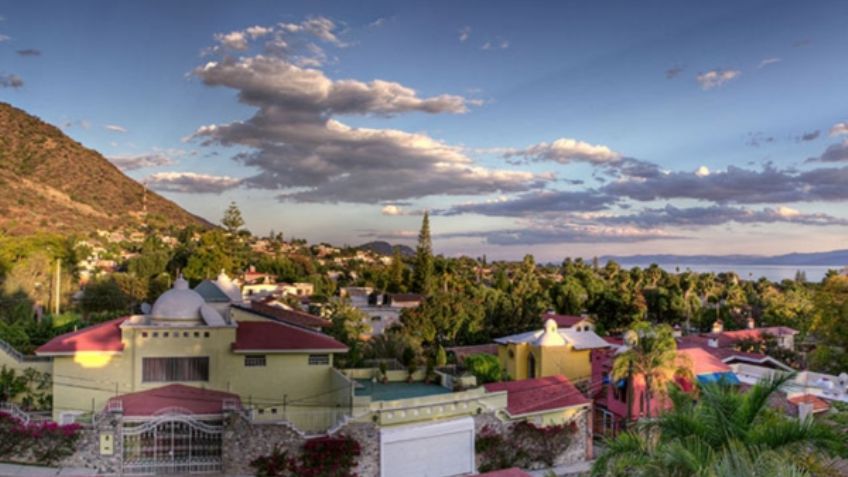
column 702, row 362
column 563, row 321
column 298, row 318
column 757, row 333
column 513, row 472
column 539, row 394
column 185, row 398
column 282, row 337
column 104, row 336
column 819, row 404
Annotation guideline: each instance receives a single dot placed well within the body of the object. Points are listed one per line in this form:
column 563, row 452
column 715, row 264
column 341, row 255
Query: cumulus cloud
column 29, row 52
column 692, row 217
column 464, row 33
column 834, row 153
column 302, row 150
column 391, row 209
column 11, row 81
column 839, row 129
column 757, row 139
column 495, row 45
column 535, row 203
column 769, row 61
column 564, row 151
column 715, row 78
column 191, row 182
column 140, row 161
column 115, row 128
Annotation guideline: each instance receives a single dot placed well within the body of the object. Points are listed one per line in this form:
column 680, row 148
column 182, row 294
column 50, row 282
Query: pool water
column 392, row 391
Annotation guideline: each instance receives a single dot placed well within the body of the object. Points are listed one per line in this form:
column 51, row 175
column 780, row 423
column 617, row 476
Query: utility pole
column 57, row 280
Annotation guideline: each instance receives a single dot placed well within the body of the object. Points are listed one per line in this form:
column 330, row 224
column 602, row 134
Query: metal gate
column 172, row 444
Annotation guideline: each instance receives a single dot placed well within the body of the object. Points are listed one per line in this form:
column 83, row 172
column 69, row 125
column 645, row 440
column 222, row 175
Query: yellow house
column 551, row 351
column 272, row 366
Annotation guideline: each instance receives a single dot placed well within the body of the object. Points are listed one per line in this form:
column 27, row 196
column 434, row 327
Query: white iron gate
column 172, row 444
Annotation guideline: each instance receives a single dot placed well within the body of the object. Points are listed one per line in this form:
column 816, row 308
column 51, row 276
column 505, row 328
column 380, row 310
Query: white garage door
column 439, row 449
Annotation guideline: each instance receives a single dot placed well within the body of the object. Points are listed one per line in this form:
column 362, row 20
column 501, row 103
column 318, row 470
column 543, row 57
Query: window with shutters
column 166, row 370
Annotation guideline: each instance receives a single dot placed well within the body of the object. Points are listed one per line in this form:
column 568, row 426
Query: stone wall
column 88, row 455
column 244, row 441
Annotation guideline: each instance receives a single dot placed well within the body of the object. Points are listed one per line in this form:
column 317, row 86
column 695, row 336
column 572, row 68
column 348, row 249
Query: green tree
column 396, row 281
column 232, row 219
column 651, row 354
column 210, row 257
column 422, row 278
column 486, row 367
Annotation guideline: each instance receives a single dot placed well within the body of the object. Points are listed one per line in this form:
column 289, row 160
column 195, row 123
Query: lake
column 775, row 273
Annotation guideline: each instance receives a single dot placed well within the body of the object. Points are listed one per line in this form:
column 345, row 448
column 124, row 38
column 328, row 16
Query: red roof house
column 270, row 336
column 104, row 336
column 175, row 396
column 530, row 396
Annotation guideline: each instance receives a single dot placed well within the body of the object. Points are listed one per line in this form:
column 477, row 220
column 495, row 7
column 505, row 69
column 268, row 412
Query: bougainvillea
column 46, row 442
column 523, row 445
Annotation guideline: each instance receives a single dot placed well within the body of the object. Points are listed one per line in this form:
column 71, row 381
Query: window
column 319, row 359
column 254, row 360
column 163, row 370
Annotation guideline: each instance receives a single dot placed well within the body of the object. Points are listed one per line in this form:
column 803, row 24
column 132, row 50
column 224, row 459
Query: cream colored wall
column 573, row 364
column 238, row 314
column 100, row 376
column 516, row 366
column 561, row 416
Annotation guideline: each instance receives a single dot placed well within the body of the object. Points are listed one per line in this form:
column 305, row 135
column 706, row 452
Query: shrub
column 321, row 457
column 46, row 442
column 523, row 445
column 485, row 367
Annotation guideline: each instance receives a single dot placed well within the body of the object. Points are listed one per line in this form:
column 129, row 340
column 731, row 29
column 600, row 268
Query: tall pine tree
column 422, row 278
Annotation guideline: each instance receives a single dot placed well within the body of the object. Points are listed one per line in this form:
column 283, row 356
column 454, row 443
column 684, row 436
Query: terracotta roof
column 563, row 321
column 405, row 297
column 186, row 398
column 513, row 472
column 104, row 336
column 819, row 404
column 540, row 394
column 298, row 318
column 462, row 352
column 703, row 362
column 755, row 333
column 282, row 337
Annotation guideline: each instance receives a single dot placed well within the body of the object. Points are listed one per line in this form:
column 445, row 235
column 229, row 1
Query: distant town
column 192, row 350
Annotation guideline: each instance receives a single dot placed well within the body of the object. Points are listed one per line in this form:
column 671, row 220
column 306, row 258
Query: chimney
column 718, row 326
column 751, row 323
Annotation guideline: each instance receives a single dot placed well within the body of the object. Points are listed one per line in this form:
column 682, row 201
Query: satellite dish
column 145, row 308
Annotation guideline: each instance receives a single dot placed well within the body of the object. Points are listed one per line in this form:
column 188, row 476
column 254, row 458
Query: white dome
column 178, row 304
column 551, row 336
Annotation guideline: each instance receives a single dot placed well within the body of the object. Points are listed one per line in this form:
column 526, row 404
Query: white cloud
column 715, row 78
column 391, row 209
column 769, row 61
column 11, row 81
column 495, row 45
column 132, row 162
column 839, row 129
column 115, row 128
column 377, row 23
column 464, row 33
column 236, row 40
column 191, row 182
column 566, row 150
column 4, row 38
column 257, row 31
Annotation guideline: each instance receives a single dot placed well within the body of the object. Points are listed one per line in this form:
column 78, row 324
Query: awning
column 726, row 377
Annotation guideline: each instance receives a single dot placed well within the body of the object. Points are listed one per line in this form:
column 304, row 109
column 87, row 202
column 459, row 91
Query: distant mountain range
column 385, row 248
column 51, row 183
column 835, row 258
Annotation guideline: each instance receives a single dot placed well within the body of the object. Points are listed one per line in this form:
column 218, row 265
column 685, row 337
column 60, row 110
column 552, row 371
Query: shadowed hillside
column 51, row 183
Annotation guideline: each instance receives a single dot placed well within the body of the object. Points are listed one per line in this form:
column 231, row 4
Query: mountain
column 51, row 183
column 835, row 258
column 385, row 248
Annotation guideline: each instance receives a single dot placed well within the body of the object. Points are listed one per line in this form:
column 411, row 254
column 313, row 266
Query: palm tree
column 652, row 354
column 724, row 433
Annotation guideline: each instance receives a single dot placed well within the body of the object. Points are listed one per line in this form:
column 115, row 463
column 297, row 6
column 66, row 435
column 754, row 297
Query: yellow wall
column 88, row 380
column 550, row 360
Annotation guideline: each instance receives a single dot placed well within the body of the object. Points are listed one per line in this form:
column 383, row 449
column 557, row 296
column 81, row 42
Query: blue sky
column 561, row 128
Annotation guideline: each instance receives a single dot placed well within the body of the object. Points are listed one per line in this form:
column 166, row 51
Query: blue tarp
column 727, row 377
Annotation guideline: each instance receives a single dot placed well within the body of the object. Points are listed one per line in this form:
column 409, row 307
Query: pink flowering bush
column 523, row 445
column 46, row 442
